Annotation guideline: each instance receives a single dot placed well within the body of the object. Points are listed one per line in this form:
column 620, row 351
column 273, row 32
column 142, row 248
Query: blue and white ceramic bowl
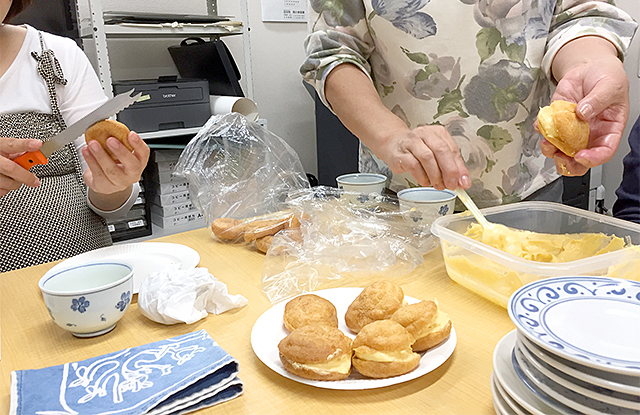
column 423, row 205
column 88, row 299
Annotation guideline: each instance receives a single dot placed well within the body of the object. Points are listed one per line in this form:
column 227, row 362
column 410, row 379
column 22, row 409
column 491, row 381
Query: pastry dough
column 104, row 129
column 317, row 352
column 309, row 309
column 383, row 349
column 428, row 325
column 561, row 126
column 377, row 301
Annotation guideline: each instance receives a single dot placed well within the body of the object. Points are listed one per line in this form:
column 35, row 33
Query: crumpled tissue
column 174, row 296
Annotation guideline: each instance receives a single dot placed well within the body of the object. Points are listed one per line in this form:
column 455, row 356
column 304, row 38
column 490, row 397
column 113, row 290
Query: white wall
column 612, row 171
column 275, row 53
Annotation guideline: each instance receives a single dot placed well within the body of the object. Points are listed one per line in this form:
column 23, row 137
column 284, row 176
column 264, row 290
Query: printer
column 172, row 104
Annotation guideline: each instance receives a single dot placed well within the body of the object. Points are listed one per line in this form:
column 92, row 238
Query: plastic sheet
column 237, row 169
column 339, row 238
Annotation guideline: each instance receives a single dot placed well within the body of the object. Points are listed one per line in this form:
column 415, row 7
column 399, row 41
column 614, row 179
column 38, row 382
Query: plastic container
column 495, row 274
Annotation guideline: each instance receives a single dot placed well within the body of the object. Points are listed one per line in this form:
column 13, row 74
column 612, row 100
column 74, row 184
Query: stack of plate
column 576, row 349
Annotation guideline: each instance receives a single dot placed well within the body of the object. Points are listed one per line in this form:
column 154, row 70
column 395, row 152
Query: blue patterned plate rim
column 575, row 317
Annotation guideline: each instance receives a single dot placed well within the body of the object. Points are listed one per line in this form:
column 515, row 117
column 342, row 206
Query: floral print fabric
column 480, row 68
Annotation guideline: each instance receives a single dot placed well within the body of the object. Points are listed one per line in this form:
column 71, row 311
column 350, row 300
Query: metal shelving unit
column 93, row 29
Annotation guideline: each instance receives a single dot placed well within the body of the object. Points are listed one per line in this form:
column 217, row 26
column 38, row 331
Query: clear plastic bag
column 340, row 239
column 237, row 170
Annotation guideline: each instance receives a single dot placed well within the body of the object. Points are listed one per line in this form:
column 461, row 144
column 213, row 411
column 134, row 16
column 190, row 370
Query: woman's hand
column 592, row 76
column 428, row 153
column 110, row 181
column 12, row 175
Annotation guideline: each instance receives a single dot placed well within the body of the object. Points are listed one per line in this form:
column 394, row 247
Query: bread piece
column 428, row 325
column 309, row 309
column 261, row 228
column 378, row 301
column 383, row 349
column 263, row 244
column 560, row 125
column 104, row 129
column 317, row 352
column 228, row 228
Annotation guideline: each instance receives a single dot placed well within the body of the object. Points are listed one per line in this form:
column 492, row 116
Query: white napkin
column 173, row 296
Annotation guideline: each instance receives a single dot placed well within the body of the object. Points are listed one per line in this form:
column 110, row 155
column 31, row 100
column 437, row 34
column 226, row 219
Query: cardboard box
column 172, row 210
column 171, row 198
column 177, row 220
column 168, row 188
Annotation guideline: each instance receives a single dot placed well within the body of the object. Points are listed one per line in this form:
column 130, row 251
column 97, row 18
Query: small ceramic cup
column 423, row 205
column 362, row 188
column 88, row 299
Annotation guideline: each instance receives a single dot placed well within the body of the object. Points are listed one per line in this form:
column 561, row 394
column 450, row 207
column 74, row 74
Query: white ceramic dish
column 88, row 299
column 423, row 205
column 546, row 388
column 508, row 400
column 499, row 404
column 269, row 329
column 562, row 314
column 630, row 402
column 512, row 385
column 362, row 188
column 612, row 381
column 146, row 257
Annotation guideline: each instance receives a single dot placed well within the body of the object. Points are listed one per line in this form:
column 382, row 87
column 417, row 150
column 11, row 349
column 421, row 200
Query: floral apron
column 52, row 221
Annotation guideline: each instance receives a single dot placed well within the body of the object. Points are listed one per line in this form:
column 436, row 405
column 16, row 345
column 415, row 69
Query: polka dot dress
column 52, row 221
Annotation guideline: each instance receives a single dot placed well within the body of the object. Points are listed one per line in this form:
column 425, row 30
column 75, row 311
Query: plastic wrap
column 237, row 170
column 339, row 239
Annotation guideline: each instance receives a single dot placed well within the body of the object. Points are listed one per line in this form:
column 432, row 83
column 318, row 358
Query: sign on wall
column 294, row 11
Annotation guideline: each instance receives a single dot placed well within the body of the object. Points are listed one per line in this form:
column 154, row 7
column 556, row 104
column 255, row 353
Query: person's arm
column 587, row 41
column 12, row 175
column 428, row 152
column 591, row 75
column 627, row 206
column 337, row 65
column 111, row 186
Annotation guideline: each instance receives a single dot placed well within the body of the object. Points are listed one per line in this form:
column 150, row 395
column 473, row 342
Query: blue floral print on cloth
column 173, row 376
column 480, row 68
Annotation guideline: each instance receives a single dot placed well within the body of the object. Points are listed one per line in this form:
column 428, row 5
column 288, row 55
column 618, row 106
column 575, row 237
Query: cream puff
column 377, row 301
column 383, row 349
column 317, row 352
column 309, row 309
column 560, row 125
column 104, row 129
column 428, row 325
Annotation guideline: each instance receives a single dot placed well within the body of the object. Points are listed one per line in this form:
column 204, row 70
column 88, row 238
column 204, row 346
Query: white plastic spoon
column 464, row 198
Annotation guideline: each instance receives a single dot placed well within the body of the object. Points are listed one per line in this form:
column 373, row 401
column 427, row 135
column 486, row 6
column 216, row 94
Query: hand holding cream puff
column 560, row 125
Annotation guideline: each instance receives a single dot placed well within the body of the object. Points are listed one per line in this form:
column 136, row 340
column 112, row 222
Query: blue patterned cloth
column 173, row 376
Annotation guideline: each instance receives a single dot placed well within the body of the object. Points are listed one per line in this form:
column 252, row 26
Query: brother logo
column 168, row 96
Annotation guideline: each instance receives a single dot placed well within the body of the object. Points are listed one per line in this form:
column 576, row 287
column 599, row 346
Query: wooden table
column 31, row 340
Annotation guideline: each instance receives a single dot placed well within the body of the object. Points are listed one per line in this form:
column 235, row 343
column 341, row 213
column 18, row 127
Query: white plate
column 269, row 329
column 583, row 319
column 507, row 378
column 612, row 381
column 508, row 400
column 499, row 405
column 146, row 257
column 555, row 376
column 548, row 389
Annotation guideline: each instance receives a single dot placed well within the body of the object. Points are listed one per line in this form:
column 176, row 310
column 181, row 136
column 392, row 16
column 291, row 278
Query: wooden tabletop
column 31, row 340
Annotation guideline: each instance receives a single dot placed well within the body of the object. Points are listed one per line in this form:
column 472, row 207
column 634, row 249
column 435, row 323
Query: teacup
column 362, row 188
column 423, row 205
column 88, row 299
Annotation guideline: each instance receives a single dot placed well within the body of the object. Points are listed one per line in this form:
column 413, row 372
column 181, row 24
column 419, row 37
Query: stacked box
column 135, row 224
column 170, row 201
